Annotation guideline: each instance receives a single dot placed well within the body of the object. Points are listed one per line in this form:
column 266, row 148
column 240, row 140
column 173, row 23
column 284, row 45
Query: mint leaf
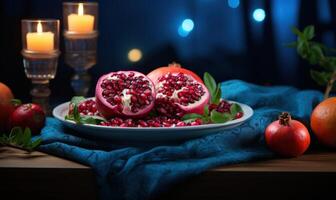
column 191, row 116
column 77, row 99
column 206, row 110
column 217, row 96
column 210, row 83
column 20, row 138
column 234, row 109
column 218, row 117
column 35, row 143
column 91, row 120
column 76, row 114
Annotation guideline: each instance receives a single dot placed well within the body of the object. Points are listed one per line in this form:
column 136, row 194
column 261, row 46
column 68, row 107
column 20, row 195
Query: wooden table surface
column 45, row 176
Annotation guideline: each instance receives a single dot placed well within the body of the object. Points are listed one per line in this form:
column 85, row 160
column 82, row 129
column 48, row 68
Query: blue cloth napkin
column 141, row 172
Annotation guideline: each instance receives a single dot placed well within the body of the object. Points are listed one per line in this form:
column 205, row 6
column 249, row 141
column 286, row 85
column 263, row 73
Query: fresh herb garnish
column 214, row 89
column 20, row 138
column 77, row 117
column 213, row 116
column 317, row 54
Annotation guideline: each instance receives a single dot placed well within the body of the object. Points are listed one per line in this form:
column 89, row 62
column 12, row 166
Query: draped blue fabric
column 144, row 171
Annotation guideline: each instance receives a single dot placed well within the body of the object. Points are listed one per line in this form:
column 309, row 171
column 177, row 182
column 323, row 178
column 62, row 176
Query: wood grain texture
column 42, row 176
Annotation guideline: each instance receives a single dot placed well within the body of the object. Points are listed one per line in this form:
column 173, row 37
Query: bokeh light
column 134, row 55
column 233, row 3
column 259, row 15
column 188, row 25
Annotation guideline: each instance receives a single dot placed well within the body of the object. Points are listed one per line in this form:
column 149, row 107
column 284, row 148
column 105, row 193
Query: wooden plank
column 312, row 162
column 41, row 176
column 16, row 158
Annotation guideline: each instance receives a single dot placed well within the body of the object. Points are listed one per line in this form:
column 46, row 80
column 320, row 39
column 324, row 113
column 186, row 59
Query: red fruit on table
column 6, row 107
column 28, row 115
column 171, row 68
column 287, row 137
column 125, row 94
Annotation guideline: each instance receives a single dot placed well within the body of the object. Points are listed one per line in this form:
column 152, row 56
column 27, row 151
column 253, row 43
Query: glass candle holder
column 80, row 36
column 40, row 50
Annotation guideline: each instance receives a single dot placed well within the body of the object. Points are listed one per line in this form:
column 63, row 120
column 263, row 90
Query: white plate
column 149, row 133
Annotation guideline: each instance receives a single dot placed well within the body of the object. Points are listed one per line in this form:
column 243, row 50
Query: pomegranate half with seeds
column 125, row 94
column 178, row 94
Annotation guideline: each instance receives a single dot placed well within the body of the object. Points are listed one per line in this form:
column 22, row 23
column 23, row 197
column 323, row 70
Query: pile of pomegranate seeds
column 88, row 107
column 160, row 121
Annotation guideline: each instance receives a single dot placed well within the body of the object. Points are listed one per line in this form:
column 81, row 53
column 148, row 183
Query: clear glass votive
column 40, row 51
column 80, row 32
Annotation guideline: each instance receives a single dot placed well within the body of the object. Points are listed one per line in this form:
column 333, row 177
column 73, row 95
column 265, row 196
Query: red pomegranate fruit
column 125, row 94
column 28, row 115
column 86, row 107
column 178, row 94
column 171, row 68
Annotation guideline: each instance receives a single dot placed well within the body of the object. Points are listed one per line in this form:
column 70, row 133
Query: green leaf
column 218, row 94
column 191, row 116
column 206, row 110
column 235, row 108
column 76, row 114
column 91, row 120
column 209, row 82
column 218, row 117
column 16, row 102
column 26, row 136
column 297, row 32
column 309, row 32
column 77, row 99
column 36, row 143
column 316, row 54
column 321, row 78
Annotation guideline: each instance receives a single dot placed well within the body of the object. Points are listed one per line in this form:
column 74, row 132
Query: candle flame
column 39, row 27
column 80, row 9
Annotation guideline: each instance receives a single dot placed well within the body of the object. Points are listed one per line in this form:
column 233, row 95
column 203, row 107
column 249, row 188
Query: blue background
column 225, row 41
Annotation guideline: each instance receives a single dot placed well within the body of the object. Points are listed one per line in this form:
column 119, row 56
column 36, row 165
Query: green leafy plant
column 317, row 54
column 213, row 116
column 20, row 138
column 77, row 117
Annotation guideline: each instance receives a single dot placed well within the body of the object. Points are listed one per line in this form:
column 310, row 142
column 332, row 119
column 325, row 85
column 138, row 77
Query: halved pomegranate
column 171, row 68
column 178, row 94
column 125, row 94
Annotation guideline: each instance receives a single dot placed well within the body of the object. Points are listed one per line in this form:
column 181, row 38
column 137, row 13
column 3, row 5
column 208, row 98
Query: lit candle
column 80, row 23
column 40, row 41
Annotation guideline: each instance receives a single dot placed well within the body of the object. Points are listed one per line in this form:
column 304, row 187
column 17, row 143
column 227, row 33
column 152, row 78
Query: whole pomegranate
column 125, row 94
column 28, row 115
column 179, row 93
column 323, row 122
column 171, row 68
column 287, row 137
column 6, row 107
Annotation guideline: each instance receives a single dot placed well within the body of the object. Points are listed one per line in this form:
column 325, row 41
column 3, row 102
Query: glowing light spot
column 233, row 3
column 259, row 15
column 188, row 25
column 182, row 32
column 134, row 55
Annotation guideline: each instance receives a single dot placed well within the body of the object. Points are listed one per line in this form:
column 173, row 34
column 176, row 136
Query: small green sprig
column 77, row 117
column 20, row 138
column 213, row 87
column 316, row 54
column 213, row 115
